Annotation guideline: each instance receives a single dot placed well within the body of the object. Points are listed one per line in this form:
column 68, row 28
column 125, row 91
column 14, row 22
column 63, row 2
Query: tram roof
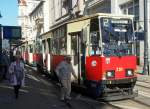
column 101, row 15
column 85, row 18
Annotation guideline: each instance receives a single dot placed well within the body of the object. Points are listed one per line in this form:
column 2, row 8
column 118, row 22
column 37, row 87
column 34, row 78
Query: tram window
column 74, row 45
column 94, row 43
column 55, row 49
column 117, row 36
column 40, row 48
column 30, row 48
column 23, row 48
column 94, row 25
column 26, row 48
column 44, row 46
column 62, row 45
column 94, row 38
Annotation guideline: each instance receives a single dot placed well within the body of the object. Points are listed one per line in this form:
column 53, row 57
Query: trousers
column 16, row 90
column 66, row 88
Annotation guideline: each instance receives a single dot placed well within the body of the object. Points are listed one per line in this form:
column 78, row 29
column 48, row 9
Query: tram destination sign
column 11, row 32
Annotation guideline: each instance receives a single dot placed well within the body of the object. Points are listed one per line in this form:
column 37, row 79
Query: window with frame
column 31, row 48
column 44, row 46
column 94, row 37
column 55, row 45
column 59, row 41
column 74, row 45
column 23, row 49
column 63, row 45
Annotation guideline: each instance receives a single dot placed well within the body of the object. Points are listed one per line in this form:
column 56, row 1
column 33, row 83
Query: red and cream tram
column 102, row 51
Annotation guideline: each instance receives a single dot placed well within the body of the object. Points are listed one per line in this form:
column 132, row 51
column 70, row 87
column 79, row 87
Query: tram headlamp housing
column 110, row 74
column 129, row 72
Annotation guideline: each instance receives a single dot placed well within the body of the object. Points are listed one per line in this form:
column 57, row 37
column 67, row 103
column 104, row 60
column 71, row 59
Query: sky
column 9, row 12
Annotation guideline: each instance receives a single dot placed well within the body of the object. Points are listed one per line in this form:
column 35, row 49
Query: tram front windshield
column 117, row 36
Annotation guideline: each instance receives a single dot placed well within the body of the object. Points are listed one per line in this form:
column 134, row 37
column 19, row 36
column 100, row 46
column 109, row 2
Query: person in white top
column 17, row 75
column 64, row 71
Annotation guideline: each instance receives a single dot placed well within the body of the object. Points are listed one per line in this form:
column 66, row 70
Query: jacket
column 13, row 78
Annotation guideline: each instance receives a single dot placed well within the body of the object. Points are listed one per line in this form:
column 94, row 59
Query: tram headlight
column 129, row 72
column 110, row 74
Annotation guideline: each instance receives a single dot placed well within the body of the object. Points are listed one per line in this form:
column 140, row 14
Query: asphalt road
column 40, row 93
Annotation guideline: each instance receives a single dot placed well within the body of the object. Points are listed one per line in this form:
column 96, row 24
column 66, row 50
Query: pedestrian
column 5, row 62
column 17, row 75
column 64, row 71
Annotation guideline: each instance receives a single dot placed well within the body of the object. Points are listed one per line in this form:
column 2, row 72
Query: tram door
column 77, row 52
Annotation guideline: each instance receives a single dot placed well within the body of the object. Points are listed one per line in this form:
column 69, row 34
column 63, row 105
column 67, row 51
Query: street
column 40, row 93
column 140, row 102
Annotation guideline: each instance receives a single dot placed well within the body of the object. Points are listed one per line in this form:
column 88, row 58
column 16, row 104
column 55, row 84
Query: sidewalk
column 141, row 77
column 142, row 80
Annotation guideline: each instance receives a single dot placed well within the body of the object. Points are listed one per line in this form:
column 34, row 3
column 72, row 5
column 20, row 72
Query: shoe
column 68, row 98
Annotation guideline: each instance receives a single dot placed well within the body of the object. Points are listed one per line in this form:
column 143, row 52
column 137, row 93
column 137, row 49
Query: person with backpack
column 17, row 75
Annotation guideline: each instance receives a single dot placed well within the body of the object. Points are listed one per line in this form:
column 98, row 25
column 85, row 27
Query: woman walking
column 17, row 75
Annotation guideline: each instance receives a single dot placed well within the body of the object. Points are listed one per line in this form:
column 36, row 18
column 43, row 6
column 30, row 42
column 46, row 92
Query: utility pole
column 146, row 64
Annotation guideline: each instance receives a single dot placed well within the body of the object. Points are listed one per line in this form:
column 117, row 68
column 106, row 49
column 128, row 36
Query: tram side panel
column 55, row 60
column 43, row 62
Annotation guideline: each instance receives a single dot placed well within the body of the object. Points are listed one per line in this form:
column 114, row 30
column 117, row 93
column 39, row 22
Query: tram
column 102, row 47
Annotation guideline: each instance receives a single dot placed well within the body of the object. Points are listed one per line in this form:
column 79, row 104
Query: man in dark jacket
column 5, row 63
